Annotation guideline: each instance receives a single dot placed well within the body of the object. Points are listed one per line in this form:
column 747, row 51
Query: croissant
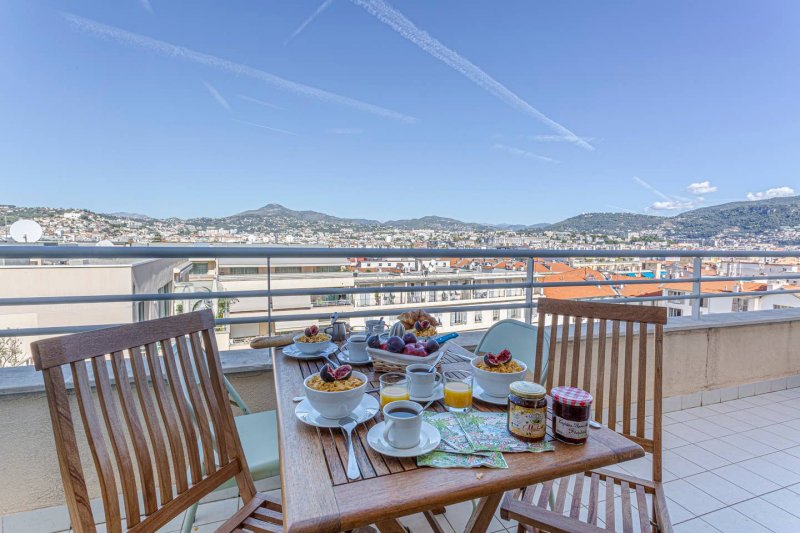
column 410, row 317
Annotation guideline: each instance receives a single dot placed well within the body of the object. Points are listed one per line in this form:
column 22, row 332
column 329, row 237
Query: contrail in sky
column 257, row 125
column 407, row 29
column 522, row 153
column 217, row 96
column 308, row 21
column 650, row 188
column 179, row 52
column 260, row 102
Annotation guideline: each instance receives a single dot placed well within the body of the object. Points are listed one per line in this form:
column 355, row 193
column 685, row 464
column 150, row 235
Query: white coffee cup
column 421, row 382
column 357, row 347
column 402, row 424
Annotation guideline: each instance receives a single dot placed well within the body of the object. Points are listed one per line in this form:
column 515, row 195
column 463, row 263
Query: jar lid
column 571, row 396
column 527, row 389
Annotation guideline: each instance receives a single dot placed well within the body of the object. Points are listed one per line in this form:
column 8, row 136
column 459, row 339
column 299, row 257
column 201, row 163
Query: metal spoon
column 348, row 424
column 436, row 362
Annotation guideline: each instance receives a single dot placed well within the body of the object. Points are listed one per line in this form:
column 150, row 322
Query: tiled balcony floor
column 731, row 466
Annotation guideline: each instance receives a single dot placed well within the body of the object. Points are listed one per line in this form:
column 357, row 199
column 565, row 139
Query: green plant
column 11, row 352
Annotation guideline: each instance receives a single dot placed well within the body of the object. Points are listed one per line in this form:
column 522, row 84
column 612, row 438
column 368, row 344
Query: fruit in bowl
column 335, row 392
column 312, row 340
column 495, row 372
column 406, row 345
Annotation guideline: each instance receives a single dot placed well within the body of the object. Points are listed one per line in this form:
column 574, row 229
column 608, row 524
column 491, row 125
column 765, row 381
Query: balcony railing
column 528, row 286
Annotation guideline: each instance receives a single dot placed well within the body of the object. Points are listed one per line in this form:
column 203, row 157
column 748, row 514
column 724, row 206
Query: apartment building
column 85, row 278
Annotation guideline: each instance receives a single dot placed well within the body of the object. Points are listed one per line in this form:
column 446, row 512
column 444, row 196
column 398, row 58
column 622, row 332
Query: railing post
column 529, row 292
column 696, row 289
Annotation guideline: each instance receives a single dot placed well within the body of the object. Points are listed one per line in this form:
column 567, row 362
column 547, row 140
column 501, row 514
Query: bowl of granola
column 335, row 392
column 495, row 372
column 312, row 340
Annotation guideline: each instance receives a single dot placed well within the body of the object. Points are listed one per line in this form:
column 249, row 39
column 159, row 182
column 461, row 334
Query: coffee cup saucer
column 428, row 441
column 344, row 357
column 438, row 394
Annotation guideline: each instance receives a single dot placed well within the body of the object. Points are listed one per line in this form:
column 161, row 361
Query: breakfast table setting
column 380, row 423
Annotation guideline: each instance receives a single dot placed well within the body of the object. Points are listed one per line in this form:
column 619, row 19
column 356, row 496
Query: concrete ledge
column 26, row 379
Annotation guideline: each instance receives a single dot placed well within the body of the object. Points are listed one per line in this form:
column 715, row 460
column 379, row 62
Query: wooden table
column 318, row 497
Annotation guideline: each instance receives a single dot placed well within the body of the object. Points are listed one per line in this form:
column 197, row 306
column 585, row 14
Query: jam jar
column 571, row 407
column 527, row 411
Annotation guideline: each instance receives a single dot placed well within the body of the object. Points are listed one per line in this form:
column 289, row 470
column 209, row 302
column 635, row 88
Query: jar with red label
column 571, row 408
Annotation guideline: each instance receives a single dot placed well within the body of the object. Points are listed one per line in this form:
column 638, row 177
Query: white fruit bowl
column 496, row 383
column 335, row 405
column 310, row 348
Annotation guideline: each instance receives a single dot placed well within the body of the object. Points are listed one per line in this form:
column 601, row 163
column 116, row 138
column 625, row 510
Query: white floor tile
column 782, row 430
column 677, row 512
column 768, row 515
column 775, row 473
column 732, row 521
column 701, row 457
column 786, row 499
column 671, row 441
column 723, row 407
column 721, row 489
column 700, row 412
column 726, row 450
column 784, row 460
column 458, row 515
column 679, row 465
column 750, row 442
column 746, row 479
column 679, row 416
column 687, row 433
column 696, row 525
column 707, row 426
column 691, row 498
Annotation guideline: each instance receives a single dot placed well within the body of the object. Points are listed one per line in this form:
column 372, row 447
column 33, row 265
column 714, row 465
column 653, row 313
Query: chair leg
column 188, row 519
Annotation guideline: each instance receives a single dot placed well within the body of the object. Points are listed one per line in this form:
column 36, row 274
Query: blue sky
column 505, row 111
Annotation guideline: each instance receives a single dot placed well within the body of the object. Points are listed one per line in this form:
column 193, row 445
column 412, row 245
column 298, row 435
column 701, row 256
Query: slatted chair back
column 169, row 436
column 619, row 374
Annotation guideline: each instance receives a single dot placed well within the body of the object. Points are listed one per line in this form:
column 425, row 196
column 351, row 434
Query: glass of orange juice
column 394, row 387
column 457, row 392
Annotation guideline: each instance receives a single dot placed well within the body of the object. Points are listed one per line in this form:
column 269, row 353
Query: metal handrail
column 183, row 252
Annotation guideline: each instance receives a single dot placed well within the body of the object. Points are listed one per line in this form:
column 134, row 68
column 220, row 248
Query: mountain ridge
column 733, row 218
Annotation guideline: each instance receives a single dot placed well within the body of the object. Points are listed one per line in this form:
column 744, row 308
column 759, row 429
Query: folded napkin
column 475, row 439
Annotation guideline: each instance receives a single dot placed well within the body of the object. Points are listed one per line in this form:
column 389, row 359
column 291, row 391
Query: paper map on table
column 475, row 439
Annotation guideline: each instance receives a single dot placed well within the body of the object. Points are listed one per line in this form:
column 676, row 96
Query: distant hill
column 735, row 218
column 739, row 217
column 607, row 223
column 277, row 210
column 437, row 223
column 731, row 219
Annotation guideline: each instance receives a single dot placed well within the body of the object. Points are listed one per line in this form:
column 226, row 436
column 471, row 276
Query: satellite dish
column 104, row 242
column 26, row 231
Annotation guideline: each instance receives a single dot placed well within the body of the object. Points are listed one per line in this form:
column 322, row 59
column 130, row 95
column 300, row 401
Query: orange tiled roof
column 578, row 274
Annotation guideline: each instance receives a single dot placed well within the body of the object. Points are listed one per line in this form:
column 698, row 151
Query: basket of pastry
column 420, row 323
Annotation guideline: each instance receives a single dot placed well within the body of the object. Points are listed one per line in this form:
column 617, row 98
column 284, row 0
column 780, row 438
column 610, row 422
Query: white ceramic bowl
column 336, row 405
column 310, row 347
column 496, row 383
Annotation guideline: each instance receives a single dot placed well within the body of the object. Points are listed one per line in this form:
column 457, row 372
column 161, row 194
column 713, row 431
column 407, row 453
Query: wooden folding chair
column 612, row 380
column 201, row 449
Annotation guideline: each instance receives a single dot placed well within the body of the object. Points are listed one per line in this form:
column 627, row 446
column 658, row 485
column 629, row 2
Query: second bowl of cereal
column 312, row 340
column 495, row 372
column 335, row 392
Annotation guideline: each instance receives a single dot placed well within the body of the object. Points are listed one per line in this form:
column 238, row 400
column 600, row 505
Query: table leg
column 483, row 513
column 429, row 516
column 390, row 526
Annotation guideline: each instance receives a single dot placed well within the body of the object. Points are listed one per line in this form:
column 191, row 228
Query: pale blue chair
column 258, row 433
column 519, row 338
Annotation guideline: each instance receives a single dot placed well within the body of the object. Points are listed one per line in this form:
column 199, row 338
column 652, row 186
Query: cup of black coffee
column 402, row 424
column 422, row 381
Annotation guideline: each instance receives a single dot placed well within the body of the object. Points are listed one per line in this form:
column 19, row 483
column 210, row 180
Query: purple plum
column 395, row 344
